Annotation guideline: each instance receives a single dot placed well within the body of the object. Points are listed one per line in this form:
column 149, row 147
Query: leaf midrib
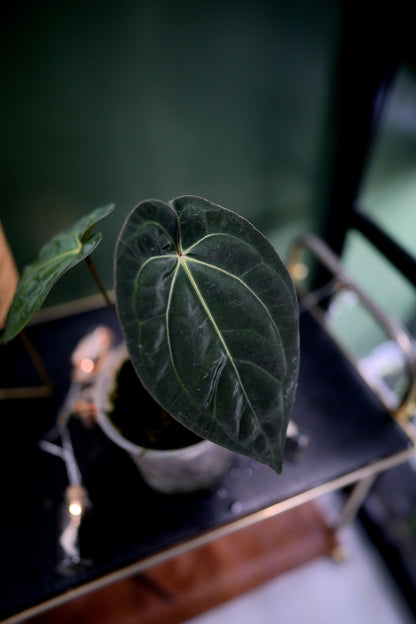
column 243, row 283
column 54, row 259
column 184, row 263
column 183, row 260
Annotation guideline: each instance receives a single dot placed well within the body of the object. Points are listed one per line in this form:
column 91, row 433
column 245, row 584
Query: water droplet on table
column 236, row 507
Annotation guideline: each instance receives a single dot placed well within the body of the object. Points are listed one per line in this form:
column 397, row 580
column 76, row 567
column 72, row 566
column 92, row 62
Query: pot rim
column 103, row 387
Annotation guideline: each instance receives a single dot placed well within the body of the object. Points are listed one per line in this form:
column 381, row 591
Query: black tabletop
column 346, row 425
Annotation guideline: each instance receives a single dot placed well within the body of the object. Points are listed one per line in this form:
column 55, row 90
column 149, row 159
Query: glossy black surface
column 346, row 425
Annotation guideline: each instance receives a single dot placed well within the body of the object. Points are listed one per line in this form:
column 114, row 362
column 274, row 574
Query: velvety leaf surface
column 210, row 318
column 61, row 253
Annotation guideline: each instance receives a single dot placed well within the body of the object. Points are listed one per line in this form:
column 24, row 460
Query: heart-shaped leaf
column 61, row 253
column 210, row 319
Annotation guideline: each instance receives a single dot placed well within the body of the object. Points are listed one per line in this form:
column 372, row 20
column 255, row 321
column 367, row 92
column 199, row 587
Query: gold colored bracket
column 43, row 390
column 391, row 326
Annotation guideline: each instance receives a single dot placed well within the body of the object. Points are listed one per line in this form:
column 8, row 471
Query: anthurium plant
column 208, row 312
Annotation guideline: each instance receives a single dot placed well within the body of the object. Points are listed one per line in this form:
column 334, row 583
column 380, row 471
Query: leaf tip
column 278, row 468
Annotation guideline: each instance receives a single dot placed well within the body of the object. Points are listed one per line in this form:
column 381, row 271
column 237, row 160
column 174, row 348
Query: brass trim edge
column 221, row 531
column 75, row 306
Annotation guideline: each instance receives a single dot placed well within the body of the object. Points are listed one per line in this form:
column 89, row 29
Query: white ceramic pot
column 181, row 470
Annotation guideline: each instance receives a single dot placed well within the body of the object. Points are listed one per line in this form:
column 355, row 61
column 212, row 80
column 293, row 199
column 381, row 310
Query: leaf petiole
column 100, row 285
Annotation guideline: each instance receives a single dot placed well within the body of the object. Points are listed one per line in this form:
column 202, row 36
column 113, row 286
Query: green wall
column 121, row 101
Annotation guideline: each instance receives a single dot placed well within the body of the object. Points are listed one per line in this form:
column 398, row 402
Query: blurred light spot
column 87, row 365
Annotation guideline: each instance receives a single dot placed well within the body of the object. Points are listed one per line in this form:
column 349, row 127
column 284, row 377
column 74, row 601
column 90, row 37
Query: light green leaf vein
column 217, row 330
column 240, row 281
column 140, row 271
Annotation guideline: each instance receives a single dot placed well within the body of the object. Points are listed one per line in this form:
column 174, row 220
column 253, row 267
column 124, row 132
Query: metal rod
column 30, row 392
column 210, row 535
column 392, row 327
column 354, row 501
column 36, row 359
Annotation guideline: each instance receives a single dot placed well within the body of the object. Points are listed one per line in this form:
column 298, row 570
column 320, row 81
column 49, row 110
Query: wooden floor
column 192, row 583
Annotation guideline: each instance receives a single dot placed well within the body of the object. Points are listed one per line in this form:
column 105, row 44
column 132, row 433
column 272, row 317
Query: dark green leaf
column 210, row 319
column 61, row 253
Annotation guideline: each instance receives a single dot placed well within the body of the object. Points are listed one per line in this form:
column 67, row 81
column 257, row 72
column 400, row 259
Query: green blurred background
column 122, row 101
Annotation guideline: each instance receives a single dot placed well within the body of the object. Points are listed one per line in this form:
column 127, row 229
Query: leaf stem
column 100, row 285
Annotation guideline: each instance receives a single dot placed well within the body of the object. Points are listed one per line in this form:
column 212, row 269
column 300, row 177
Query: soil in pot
column 140, row 419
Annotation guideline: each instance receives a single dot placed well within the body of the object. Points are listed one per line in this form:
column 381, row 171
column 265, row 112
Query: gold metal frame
column 391, row 326
column 33, row 391
column 361, row 479
column 43, row 316
column 362, row 476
